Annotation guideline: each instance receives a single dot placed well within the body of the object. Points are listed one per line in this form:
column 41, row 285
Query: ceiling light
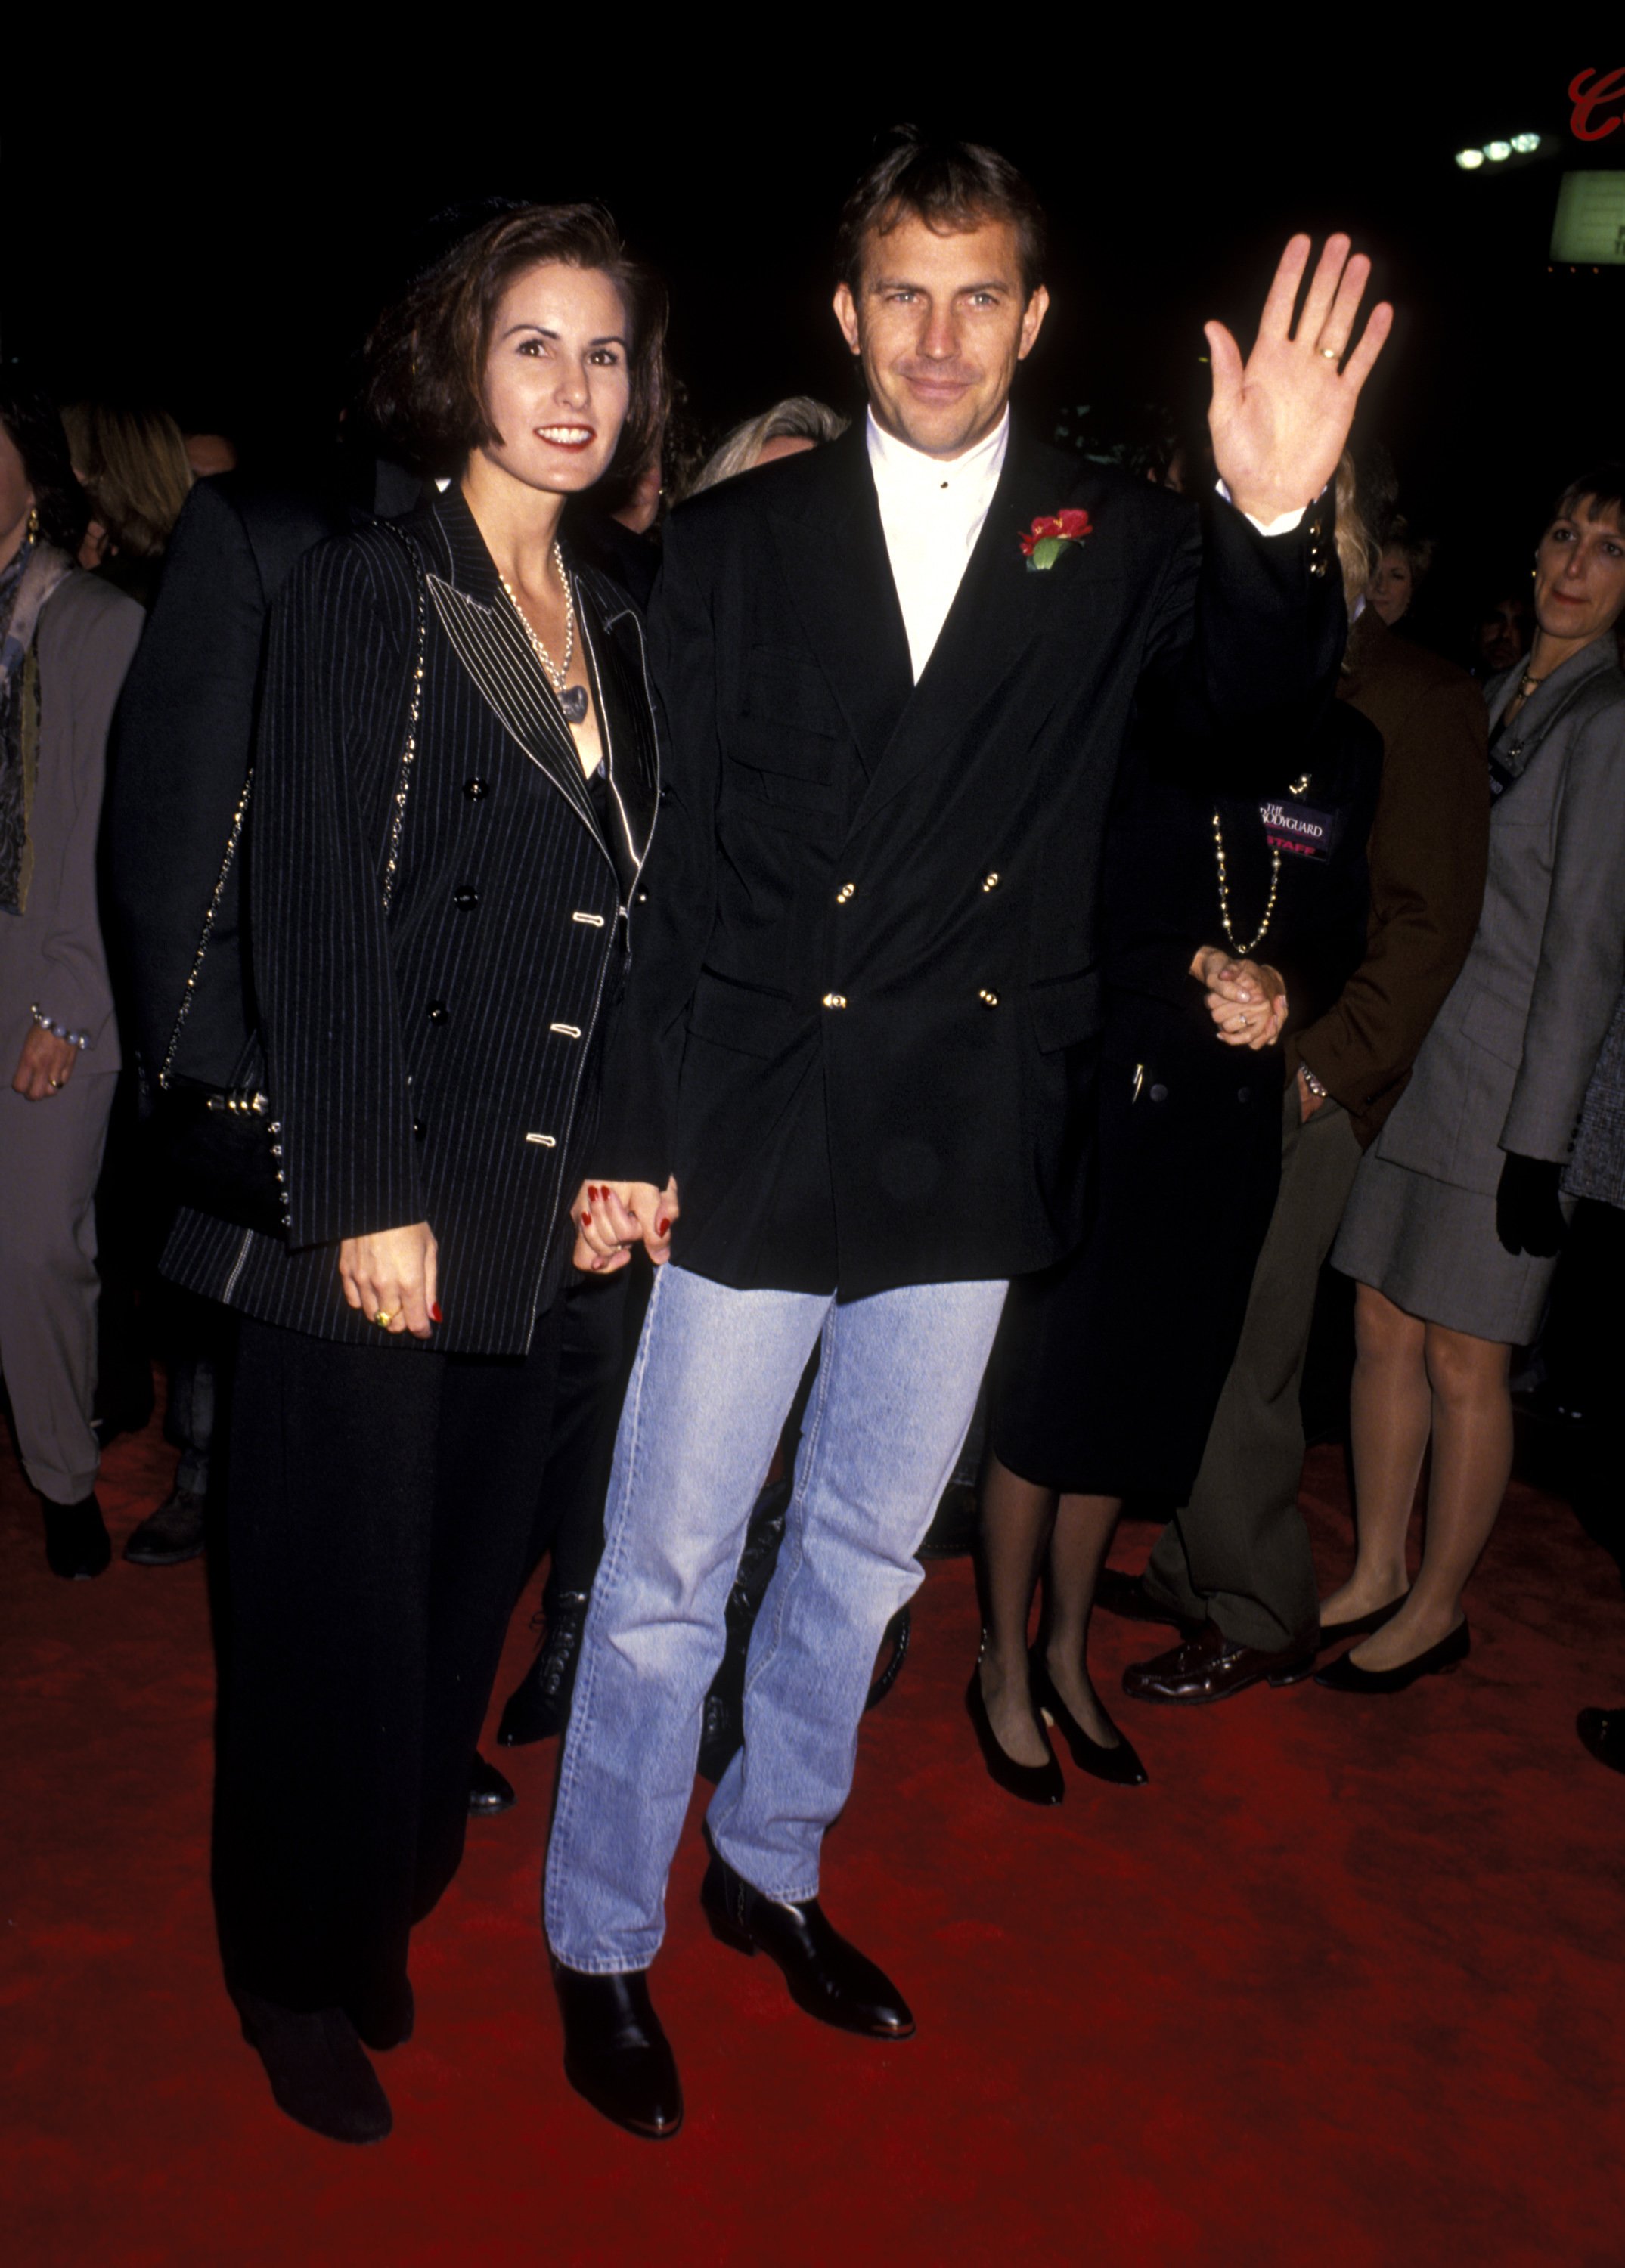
column 1469, row 160
column 1497, row 151
column 1526, row 143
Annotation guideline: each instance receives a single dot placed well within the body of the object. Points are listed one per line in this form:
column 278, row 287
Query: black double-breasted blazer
column 865, row 996
column 439, row 1060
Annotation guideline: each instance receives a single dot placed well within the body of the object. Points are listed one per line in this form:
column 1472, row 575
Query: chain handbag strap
column 397, row 819
column 189, row 994
column 233, row 842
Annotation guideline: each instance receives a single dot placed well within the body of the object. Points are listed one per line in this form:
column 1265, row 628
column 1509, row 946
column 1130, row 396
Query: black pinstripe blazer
column 436, row 1061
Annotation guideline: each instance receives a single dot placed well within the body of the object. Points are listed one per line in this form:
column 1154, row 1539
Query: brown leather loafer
column 1210, row 1666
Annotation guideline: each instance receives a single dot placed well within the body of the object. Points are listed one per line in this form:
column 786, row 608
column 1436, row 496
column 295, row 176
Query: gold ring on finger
column 1332, row 354
column 383, row 1319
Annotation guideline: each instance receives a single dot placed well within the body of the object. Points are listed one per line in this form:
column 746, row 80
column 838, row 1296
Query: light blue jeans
column 715, row 1375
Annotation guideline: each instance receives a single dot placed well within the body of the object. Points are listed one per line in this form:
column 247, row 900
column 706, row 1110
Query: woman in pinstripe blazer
column 454, row 790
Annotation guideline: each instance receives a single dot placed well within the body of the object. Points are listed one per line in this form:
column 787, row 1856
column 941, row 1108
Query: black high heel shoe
column 1033, row 1783
column 1346, row 1676
column 1118, row 1767
column 1361, row 1625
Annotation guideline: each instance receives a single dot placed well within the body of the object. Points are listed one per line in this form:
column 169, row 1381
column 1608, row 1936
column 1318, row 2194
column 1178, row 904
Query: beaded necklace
column 1298, row 787
column 572, row 698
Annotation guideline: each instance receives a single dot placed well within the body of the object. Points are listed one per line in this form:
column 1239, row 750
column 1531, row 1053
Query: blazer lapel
column 614, row 635
column 833, row 555
column 490, row 640
column 998, row 610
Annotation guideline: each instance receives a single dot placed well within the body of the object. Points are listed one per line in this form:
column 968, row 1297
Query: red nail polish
column 661, row 1226
column 587, row 1220
column 434, row 1314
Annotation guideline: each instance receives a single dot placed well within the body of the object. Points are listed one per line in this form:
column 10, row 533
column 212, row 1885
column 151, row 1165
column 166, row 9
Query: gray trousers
column 1238, row 1552
column 50, row 1157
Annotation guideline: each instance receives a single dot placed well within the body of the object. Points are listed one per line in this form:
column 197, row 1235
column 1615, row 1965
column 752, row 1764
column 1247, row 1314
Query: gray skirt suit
column 1506, row 1065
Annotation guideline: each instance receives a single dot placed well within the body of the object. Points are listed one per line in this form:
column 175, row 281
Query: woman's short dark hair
column 1603, row 488
column 35, row 432
column 426, row 356
column 951, row 186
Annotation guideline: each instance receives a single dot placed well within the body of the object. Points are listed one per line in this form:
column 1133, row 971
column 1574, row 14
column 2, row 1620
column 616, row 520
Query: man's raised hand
column 1280, row 421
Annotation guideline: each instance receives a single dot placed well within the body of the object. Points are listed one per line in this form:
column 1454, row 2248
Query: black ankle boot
column 616, row 2055
column 77, row 1543
column 539, row 1705
column 318, row 2071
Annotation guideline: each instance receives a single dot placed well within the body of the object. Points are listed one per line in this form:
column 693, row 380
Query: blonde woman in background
column 790, row 426
column 132, row 464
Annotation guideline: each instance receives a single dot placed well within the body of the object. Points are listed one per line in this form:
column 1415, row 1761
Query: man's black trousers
column 380, row 1503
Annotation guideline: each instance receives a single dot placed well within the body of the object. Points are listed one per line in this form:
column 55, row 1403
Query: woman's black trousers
column 381, row 1501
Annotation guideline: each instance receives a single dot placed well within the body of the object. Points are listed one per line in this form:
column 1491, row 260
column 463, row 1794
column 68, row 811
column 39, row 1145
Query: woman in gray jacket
column 1452, row 1231
column 65, row 642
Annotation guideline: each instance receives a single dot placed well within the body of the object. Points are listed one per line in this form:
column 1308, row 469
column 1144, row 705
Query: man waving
column 867, row 995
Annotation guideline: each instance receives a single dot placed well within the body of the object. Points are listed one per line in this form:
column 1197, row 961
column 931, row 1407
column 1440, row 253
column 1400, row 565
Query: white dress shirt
column 932, row 510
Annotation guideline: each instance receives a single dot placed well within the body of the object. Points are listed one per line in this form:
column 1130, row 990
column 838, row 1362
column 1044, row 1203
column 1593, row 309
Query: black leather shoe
column 1210, row 1666
column 539, row 1705
column 1344, row 1676
column 318, row 2071
column 76, row 1542
column 1603, row 1732
column 1033, row 1783
column 1361, row 1625
column 828, row 1977
column 1127, row 1595
column 1119, row 1766
column 616, row 2056
column 169, row 1536
column 489, row 1791
column 1333, row 1634
column 381, row 2031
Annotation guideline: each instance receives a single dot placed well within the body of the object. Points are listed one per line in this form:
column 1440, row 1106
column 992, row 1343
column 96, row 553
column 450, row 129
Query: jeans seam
column 796, row 1514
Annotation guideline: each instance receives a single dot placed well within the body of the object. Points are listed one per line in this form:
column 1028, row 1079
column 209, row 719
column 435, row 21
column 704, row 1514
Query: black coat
column 867, row 991
column 1109, row 1366
column 436, row 1062
column 179, row 753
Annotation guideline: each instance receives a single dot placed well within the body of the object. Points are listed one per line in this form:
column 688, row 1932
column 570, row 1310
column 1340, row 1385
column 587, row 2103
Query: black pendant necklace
column 572, row 701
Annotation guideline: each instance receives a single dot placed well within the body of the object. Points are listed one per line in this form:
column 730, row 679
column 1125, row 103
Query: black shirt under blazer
column 862, row 1008
column 438, row 1062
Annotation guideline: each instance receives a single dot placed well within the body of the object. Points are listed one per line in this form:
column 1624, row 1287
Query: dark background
column 227, row 260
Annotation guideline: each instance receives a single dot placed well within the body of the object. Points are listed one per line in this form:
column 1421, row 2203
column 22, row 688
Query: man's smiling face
column 940, row 322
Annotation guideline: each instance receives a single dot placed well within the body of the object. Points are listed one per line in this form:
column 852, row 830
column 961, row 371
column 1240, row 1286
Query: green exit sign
column 1589, row 229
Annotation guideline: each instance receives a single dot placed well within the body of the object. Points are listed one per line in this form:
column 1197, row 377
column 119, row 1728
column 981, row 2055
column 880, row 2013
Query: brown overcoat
column 1428, row 853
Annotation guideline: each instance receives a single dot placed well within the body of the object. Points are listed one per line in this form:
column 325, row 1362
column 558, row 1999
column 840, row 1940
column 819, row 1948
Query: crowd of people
column 931, row 938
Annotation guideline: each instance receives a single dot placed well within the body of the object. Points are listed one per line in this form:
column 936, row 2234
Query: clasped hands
column 612, row 1217
column 1247, row 999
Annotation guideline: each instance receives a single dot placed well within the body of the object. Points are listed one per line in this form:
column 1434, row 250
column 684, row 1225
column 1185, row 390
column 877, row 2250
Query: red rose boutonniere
column 1050, row 535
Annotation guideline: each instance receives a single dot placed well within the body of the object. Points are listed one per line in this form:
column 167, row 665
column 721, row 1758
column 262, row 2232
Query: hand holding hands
column 1247, row 999
column 45, row 1065
column 613, row 1216
column 1280, row 422
column 390, row 1278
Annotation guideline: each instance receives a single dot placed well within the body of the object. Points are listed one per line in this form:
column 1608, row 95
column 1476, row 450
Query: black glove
column 1528, row 1216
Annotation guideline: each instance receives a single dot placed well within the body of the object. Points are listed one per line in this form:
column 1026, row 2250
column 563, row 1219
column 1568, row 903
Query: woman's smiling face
column 558, row 380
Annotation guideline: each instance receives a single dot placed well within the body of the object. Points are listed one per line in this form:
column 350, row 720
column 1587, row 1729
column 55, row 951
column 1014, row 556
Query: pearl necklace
column 572, row 699
column 1241, row 951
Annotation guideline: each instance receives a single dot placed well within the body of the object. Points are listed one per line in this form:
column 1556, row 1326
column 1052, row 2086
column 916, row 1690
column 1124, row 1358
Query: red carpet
column 1341, row 1986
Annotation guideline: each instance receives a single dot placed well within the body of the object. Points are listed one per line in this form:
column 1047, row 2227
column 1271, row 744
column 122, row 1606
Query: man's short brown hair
column 426, row 357
column 951, row 186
